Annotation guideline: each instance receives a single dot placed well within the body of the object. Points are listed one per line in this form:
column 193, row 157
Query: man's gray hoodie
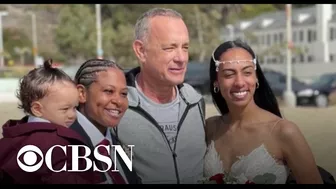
column 155, row 161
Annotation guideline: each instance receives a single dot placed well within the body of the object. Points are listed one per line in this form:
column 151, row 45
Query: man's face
column 166, row 50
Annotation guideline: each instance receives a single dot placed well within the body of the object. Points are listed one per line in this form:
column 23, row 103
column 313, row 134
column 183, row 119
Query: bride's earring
column 216, row 89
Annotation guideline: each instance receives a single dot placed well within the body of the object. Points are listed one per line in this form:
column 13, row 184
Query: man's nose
column 181, row 56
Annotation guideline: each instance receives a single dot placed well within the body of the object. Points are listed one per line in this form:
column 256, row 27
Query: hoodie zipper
column 156, row 124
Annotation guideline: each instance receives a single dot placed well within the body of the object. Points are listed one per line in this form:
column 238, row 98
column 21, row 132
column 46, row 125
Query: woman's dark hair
column 86, row 73
column 34, row 85
column 263, row 96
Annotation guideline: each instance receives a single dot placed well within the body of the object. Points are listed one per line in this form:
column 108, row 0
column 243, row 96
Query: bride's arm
column 298, row 154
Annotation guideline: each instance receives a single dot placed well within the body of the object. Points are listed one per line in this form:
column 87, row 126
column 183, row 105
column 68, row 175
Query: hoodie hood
column 21, row 128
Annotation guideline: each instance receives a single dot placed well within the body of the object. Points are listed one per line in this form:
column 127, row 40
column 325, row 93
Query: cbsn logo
column 30, row 158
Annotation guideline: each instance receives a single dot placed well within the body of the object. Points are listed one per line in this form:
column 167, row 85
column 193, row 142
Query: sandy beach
column 317, row 125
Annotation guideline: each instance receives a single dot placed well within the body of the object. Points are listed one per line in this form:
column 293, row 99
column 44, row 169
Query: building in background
column 314, row 35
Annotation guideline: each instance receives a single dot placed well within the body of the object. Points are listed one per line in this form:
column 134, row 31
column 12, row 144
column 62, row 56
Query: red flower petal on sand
column 249, row 182
column 218, row 178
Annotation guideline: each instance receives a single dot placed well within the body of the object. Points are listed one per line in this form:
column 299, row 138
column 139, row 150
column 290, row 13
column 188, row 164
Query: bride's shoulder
column 210, row 127
column 212, row 119
column 211, row 122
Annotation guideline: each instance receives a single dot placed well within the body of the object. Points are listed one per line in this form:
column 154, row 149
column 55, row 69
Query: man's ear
column 82, row 93
column 139, row 50
column 36, row 109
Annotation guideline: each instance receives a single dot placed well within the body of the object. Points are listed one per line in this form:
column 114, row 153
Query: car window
column 272, row 77
column 279, row 78
column 282, row 79
column 197, row 70
column 333, row 84
column 323, row 80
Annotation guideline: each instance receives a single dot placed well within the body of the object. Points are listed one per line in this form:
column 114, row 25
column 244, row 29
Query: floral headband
column 217, row 62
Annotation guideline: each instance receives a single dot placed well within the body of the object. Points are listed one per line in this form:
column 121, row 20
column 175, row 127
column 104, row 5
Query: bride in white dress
column 250, row 140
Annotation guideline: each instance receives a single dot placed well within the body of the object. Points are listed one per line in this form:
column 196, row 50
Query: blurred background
column 295, row 46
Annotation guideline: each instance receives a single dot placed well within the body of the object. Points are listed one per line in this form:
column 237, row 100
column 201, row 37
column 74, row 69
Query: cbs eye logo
column 29, row 158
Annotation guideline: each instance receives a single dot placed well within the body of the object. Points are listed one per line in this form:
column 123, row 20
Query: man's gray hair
column 142, row 24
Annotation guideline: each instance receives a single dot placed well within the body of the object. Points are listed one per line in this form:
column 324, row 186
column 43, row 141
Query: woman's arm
column 298, row 154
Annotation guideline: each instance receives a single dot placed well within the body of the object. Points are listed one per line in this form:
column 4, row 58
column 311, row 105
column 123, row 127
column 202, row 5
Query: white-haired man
column 165, row 118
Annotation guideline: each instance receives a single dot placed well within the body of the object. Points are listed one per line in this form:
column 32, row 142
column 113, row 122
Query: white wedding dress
column 258, row 166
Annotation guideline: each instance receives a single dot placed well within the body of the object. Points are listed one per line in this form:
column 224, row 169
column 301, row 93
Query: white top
column 96, row 137
column 36, row 119
column 258, row 166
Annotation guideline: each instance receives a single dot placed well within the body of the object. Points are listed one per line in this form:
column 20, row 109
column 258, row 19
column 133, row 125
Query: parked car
column 197, row 75
column 277, row 82
column 318, row 92
column 332, row 97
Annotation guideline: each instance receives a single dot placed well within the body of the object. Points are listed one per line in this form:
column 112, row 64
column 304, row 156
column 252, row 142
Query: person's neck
column 101, row 128
column 242, row 114
column 156, row 92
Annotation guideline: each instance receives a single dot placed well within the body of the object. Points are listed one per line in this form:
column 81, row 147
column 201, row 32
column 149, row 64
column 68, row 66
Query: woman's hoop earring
column 257, row 85
column 216, row 89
